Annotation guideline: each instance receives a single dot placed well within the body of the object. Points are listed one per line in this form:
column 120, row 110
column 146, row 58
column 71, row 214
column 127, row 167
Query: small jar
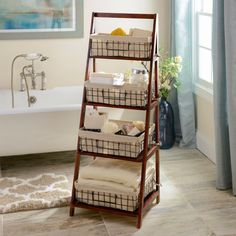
column 139, row 76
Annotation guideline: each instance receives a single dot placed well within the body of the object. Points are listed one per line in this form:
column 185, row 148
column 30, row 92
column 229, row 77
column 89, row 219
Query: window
column 202, row 50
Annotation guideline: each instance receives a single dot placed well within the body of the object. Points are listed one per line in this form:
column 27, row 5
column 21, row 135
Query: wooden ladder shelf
column 152, row 103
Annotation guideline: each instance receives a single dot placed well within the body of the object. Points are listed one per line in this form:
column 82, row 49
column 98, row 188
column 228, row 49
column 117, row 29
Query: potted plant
column 169, row 69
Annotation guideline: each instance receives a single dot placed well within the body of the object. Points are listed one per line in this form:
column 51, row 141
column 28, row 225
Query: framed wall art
column 40, row 19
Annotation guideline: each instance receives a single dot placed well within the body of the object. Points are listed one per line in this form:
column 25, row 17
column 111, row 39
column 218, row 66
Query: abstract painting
column 40, row 18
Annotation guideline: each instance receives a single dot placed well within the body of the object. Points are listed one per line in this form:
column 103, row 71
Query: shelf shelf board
column 122, row 58
column 153, row 104
column 147, row 201
column 104, row 209
column 150, row 153
column 155, row 58
column 125, row 15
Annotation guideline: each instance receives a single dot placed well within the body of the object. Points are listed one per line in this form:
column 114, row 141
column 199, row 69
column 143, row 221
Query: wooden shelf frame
column 152, row 105
column 147, row 201
column 147, row 152
column 150, row 153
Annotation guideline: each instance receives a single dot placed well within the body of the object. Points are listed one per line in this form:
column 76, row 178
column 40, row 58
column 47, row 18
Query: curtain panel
column 182, row 99
column 224, row 73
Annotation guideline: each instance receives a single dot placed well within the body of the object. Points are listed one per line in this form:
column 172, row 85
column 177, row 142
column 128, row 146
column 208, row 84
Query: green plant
column 169, row 69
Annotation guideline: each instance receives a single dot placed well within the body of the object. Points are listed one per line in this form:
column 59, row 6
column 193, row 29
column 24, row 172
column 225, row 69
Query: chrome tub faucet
column 29, row 72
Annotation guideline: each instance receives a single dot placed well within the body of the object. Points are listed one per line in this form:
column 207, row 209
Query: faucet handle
column 43, row 81
column 43, row 74
column 22, row 82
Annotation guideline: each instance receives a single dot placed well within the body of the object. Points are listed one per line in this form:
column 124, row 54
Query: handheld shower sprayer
column 34, row 56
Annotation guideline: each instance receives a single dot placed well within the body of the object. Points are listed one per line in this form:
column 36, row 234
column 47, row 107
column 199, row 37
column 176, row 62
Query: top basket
column 120, row 46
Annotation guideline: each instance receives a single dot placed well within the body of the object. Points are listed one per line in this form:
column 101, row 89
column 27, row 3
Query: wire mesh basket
column 120, row 46
column 113, row 144
column 126, row 95
column 122, row 201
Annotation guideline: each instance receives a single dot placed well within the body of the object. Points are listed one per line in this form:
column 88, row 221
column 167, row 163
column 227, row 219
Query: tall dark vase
column 166, row 123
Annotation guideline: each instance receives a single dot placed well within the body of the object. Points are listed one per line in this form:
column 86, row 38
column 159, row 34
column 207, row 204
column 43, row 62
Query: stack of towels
column 108, row 178
column 107, row 78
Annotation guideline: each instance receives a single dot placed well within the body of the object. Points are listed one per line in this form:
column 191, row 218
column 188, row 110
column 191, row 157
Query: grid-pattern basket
column 114, row 200
column 120, row 46
column 113, row 144
column 126, row 95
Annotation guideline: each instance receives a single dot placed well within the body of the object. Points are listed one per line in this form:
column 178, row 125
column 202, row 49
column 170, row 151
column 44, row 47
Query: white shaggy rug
column 43, row 191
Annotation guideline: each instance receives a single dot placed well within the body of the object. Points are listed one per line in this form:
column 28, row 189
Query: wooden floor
column 190, row 204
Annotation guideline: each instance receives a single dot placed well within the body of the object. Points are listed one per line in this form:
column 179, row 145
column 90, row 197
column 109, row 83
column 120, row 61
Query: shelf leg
column 157, row 176
column 139, row 223
column 76, row 174
column 157, row 199
column 72, row 210
column 156, row 120
column 141, row 193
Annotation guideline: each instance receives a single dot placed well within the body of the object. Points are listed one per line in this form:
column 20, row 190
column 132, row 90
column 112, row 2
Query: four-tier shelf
column 152, row 104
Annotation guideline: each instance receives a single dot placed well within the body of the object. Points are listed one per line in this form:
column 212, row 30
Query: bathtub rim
column 29, row 110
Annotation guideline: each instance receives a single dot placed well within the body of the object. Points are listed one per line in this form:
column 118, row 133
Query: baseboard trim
column 206, row 146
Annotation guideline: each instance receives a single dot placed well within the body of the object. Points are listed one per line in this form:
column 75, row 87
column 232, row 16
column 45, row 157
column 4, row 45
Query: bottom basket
column 115, row 200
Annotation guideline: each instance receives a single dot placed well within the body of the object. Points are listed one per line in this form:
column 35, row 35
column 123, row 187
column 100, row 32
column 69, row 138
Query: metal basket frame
column 114, row 200
column 113, row 46
column 113, row 144
column 112, row 147
column 116, row 96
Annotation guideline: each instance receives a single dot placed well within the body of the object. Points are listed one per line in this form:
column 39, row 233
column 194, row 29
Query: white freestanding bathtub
column 49, row 125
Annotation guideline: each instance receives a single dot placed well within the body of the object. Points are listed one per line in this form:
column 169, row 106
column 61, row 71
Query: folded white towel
column 102, row 186
column 106, row 78
column 118, row 171
column 103, row 75
column 140, row 33
column 108, row 186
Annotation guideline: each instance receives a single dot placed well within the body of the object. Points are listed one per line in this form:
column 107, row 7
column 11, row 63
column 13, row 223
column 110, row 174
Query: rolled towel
column 139, row 125
column 110, row 127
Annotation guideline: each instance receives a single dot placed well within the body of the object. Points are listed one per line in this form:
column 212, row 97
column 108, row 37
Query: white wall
column 68, row 56
column 205, row 124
